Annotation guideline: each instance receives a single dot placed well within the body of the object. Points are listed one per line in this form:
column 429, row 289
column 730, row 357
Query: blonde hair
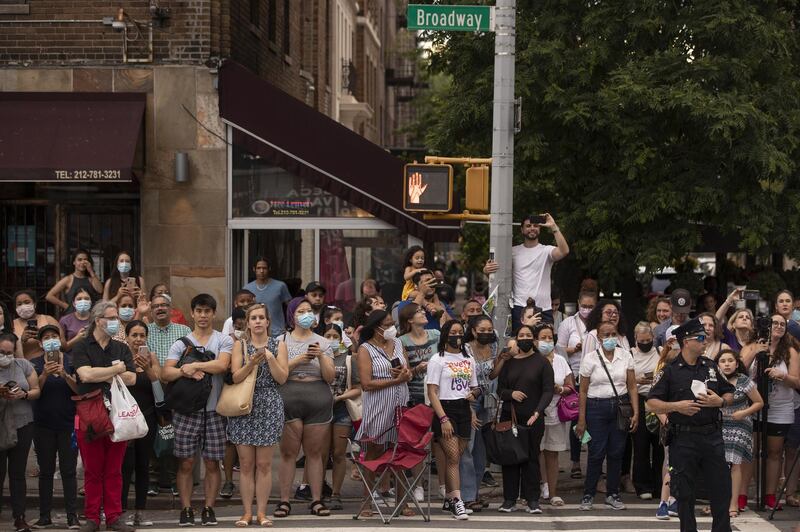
column 250, row 309
column 735, row 315
column 642, row 327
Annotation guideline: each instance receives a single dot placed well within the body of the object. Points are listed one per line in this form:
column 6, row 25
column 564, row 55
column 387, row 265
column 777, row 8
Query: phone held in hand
column 539, row 219
column 143, row 352
column 51, row 356
column 32, row 325
column 395, row 362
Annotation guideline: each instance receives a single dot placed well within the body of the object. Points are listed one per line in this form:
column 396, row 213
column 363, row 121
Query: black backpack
column 185, row 395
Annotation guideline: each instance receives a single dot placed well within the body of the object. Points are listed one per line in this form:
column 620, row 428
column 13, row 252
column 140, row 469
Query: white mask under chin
column 6, row 360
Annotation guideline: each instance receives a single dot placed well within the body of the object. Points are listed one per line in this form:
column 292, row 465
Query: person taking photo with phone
column 149, row 396
column 307, row 403
column 531, row 264
column 28, row 323
column 19, row 387
column 53, row 423
column 124, row 280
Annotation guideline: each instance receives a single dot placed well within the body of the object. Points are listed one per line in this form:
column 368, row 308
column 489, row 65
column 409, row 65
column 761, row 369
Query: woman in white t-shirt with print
column 556, row 432
column 451, row 380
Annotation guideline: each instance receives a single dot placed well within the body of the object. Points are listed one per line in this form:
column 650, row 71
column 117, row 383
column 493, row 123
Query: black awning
column 288, row 133
column 46, row 136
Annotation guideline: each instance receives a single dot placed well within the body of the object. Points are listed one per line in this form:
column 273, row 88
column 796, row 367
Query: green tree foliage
column 643, row 122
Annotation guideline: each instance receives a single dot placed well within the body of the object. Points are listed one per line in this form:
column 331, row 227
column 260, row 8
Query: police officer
column 695, row 426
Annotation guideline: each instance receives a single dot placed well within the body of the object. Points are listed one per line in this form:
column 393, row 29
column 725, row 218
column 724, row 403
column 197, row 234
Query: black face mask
column 644, row 347
column 455, row 341
column 525, row 345
column 486, row 338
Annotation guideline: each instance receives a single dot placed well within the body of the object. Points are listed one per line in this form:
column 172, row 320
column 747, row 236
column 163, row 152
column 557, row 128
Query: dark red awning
column 291, row 135
column 47, row 136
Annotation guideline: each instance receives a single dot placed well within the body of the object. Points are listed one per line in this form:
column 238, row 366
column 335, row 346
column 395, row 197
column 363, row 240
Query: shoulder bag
column 237, row 399
column 624, row 406
column 569, row 405
column 92, row 415
column 354, row 406
column 504, row 442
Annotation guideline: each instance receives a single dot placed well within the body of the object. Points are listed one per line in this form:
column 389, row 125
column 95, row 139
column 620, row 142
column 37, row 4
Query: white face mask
column 26, row 311
column 238, row 334
column 6, row 360
column 390, row 333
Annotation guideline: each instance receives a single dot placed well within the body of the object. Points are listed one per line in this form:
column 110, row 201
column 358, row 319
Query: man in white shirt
column 531, row 266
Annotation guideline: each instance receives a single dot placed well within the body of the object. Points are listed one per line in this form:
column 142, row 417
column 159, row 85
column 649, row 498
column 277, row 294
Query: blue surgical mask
column 796, row 315
column 306, row 320
column 112, row 327
column 126, row 313
column 83, row 306
column 546, row 348
column 51, row 344
column 609, row 343
column 124, row 267
column 339, row 323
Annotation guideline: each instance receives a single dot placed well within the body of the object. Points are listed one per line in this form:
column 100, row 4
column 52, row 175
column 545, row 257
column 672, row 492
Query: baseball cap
column 314, row 286
column 48, row 328
column 681, row 301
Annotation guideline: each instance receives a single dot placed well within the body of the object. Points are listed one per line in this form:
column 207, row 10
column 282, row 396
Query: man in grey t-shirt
column 203, row 429
column 272, row 293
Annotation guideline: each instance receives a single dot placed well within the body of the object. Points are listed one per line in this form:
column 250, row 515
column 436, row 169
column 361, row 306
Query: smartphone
column 130, row 282
column 32, row 324
column 491, row 254
column 539, row 219
column 143, row 352
column 51, row 356
column 586, row 436
column 10, row 385
column 395, row 363
column 751, row 295
column 648, row 375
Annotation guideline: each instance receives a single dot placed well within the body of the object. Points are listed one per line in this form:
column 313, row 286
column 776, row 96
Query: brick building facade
column 332, row 55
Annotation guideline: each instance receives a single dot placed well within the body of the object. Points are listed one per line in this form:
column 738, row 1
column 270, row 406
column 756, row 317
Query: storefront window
column 264, row 191
column 349, row 256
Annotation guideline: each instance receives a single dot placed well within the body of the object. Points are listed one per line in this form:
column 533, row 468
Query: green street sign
column 450, row 18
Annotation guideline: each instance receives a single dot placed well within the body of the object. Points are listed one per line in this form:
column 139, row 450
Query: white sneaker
column 419, row 493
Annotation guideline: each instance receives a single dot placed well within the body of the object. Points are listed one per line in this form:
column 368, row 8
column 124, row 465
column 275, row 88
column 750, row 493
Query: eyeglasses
column 779, row 324
column 610, row 313
column 160, row 305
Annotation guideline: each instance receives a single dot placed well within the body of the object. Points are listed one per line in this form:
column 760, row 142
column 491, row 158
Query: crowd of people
column 320, row 374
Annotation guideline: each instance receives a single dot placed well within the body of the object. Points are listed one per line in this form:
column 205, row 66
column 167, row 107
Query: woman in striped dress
column 383, row 370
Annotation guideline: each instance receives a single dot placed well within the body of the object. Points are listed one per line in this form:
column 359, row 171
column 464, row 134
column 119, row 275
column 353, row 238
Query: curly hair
column 596, row 317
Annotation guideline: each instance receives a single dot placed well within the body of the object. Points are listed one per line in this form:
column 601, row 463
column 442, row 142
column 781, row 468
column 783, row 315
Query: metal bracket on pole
column 434, row 159
column 465, row 216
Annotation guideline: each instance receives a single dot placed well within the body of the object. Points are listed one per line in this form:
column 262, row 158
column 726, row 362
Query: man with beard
column 315, row 293
column 532, row 263
column 437, row 311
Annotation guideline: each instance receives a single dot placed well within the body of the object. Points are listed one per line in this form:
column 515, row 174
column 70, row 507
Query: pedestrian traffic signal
column 428, row 187
column 478, row 189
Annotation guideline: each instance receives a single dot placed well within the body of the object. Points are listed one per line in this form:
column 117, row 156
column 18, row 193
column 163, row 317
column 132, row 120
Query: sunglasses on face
column 699, row 338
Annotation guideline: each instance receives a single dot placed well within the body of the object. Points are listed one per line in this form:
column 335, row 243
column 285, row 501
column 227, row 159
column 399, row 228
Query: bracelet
column 443, row 420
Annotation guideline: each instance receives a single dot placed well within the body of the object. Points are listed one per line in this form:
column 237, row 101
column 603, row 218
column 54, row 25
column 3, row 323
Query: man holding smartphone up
column 532, row 263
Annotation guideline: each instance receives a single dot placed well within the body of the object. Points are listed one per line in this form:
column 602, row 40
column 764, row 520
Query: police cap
column 690, row 328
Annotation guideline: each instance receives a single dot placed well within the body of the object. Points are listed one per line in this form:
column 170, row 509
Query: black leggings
column 14, row 461
column 50, row 443
column 137, row 459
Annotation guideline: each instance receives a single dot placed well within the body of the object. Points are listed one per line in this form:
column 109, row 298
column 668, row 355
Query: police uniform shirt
column 674, row 383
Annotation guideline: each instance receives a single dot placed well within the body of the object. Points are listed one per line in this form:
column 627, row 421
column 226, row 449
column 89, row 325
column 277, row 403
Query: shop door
column 290, row 253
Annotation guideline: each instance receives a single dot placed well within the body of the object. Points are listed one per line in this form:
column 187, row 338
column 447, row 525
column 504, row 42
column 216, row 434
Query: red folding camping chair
column 411, row 449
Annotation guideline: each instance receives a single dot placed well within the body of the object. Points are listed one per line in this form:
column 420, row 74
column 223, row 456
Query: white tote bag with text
column 128, row 420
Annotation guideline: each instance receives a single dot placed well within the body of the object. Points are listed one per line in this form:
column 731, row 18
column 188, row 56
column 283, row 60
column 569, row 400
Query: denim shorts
column 340, row 415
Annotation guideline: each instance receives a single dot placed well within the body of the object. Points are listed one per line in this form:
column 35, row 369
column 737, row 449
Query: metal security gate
column 38, row 239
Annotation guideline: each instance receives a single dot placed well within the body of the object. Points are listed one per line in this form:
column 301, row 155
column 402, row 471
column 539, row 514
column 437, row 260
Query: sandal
column 556, row 501
column 407, row 512
column 575, row 472
column 263, row 520
column 793, row 500
column 244, row 521
column 319, row 509
column 706, row 510
column 733, row 513
column 284, row 509
column 365, row 513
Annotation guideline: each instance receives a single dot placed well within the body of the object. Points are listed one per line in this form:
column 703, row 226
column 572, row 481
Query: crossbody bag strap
column 600, row 355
